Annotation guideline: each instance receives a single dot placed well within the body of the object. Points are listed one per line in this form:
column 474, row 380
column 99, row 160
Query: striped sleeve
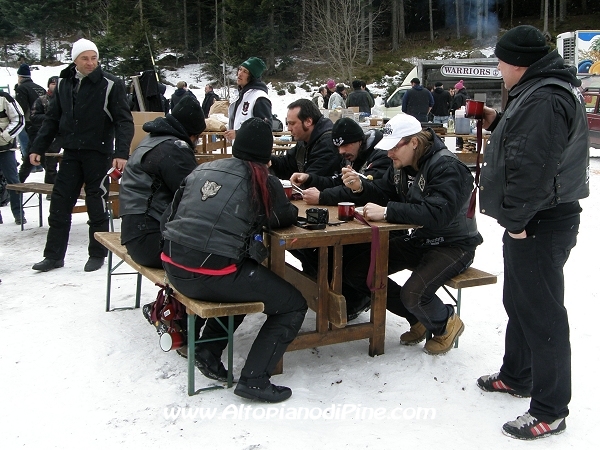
column 14, row 113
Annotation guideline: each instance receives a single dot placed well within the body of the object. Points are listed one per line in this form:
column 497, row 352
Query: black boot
column 93, row 263
column 48, row 264
column 262, row 389
column 210, row 366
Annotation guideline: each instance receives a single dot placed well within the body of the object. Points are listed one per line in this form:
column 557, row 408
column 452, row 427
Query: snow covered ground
column 75, row 376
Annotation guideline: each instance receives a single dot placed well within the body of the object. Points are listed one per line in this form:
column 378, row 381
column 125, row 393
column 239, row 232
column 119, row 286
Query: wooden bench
column 112, row 241
column 112, row 202
column 469, row 278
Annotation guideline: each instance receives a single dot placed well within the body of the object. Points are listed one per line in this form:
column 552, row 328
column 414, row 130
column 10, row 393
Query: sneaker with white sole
column 527, row 427
column 493, row 383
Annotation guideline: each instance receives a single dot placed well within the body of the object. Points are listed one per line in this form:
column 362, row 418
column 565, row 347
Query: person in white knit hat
column 91, row 114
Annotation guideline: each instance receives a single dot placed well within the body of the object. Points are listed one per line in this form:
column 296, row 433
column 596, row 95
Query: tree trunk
column 394, row 30
column 186, row 46
column 546, row 12
column 199, row 25
column 457, row 8
column 271, row 58
column 479, row 12
column 402, row 27
column 562, row 11
column 370, row 57
column 431, row 20
column 43, row 47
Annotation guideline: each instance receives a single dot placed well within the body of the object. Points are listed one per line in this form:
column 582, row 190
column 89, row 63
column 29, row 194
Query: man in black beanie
column 358, row 154
column 534, row 173
column 152, row 176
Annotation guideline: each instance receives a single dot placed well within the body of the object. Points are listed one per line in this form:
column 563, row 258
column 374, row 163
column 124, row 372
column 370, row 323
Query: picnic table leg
column 191, row 352
column 379, row 297
column 458, row 311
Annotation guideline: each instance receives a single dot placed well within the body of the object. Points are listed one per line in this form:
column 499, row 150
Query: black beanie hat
column 522, row 46
column 189, row 114
column 346, row 131
column 24, row 71
column 52, row 80
column 253, row 141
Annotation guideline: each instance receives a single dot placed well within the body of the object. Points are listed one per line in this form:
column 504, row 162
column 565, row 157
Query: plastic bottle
column 450, row 125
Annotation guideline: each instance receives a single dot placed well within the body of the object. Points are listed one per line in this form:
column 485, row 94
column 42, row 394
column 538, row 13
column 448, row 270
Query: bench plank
column 112, row 241
column 470, row 278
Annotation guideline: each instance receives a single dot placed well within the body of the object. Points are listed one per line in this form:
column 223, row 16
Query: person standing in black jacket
column 153, row 174
column 427, row 186
column 213, row 250
column 26, row 93
column 91, row 114
column 535, row 171
column 210, row 97
column 37, row 116
column 441, row 104
column 417, row 101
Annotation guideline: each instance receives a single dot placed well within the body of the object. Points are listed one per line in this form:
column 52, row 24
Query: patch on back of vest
column 210, row 189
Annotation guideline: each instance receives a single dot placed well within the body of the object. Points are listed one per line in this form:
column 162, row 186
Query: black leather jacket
column 537, row 161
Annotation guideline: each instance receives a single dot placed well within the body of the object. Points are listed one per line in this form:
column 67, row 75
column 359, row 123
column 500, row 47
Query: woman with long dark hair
column 213, row 250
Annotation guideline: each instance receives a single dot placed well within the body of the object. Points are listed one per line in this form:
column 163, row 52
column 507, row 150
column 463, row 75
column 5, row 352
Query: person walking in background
column 441, row 104
column 12, row 122
column 253, row 98
column 417, row 101
column 180, row 92
column 330, row 85
column 535, row 171
column 338, row 98
column 233, row 199
column 210, row 96
column 361, row 98
column 26, row 93
column 460, row 99
column 319, row 97
column 90, row 113
column 37, row 116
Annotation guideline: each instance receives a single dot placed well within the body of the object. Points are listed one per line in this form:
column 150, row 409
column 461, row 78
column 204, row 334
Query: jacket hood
column 179, row 92
column 551, row 65
column 437, row 145
column 163, row 126
column 323, row 124
column 438, row 90
column 255, row 84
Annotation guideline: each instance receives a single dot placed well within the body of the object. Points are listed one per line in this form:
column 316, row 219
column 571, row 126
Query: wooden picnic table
column 325, row 297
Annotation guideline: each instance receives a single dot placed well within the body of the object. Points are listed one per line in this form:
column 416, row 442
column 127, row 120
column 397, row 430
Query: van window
column 396, row 99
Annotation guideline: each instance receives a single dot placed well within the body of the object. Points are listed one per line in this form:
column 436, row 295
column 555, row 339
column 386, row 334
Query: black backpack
column 277, row 124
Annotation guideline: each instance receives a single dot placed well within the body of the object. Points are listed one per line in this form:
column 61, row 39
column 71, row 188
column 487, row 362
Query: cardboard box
column 375, row 122
column 139, row 119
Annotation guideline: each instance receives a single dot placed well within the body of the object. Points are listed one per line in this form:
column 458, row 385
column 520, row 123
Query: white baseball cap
column 397, row 128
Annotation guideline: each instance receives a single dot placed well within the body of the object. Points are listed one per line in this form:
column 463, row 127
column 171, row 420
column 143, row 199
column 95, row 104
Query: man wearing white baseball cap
column 428, row 186
column 91, row 114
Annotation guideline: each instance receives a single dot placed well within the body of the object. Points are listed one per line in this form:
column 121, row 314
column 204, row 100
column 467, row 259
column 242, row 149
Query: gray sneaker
column 528, row 428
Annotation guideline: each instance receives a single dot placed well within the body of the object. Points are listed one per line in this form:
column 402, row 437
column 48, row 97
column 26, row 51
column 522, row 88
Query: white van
column 393, row 104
